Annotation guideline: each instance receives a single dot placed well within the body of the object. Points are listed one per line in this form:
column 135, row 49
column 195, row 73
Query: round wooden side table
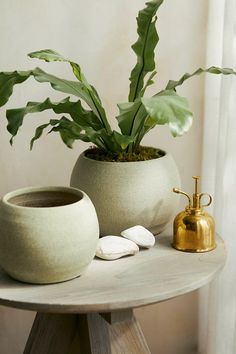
column 92, row 314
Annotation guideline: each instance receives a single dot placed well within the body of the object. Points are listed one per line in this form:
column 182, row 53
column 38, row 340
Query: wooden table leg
column 115, row 332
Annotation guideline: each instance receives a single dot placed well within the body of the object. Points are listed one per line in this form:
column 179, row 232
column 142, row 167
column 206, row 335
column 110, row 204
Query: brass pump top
column 194, row 203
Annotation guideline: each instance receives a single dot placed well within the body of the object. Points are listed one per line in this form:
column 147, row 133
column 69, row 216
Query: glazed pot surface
column 47, row 234
column 129, row 193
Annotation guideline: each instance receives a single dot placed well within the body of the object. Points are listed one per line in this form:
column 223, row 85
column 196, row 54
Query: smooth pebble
column 140, row 235
column 114, row 247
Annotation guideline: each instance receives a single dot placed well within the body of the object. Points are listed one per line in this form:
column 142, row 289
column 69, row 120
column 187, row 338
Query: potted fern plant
column 128, row 183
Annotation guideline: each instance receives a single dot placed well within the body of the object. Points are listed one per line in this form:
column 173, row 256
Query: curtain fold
column 217, row 311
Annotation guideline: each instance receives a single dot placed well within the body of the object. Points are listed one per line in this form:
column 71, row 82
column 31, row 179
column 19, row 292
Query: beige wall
column 98, row 35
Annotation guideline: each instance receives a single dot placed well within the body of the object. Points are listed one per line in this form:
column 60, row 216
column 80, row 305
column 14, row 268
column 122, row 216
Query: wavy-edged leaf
column 51, row 55
column 212, row 70
column 39, row 131
column 7, row 82
column 144, row 47
column 144, row 129
column 89, row 120
column 67, row 86
column 72, row 130
column 132, row 114
column 169, row 108
column 78, row 89
column 9, row 79
column 47, row 55
column 148, row 83
column 81, row 116
column 69, row 132
column 123, row 140
column 127, row 110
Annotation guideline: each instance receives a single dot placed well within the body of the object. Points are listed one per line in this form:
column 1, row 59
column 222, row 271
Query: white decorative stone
column 114, row 247
column 140, row 235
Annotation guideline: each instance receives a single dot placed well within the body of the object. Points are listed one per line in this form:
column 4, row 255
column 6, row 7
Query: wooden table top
column 151, row 276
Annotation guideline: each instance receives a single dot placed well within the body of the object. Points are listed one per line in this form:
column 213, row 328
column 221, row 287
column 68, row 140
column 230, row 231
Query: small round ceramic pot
column 47, row 234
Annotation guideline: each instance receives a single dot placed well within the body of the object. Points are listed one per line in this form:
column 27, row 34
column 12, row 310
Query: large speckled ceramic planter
column 129, row 193
column 47, row 234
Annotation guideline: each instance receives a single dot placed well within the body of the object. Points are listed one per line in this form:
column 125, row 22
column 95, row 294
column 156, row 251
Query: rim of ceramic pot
column 166, row 153
column 75, row 196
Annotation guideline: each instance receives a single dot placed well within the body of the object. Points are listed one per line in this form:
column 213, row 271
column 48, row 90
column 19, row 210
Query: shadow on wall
column 161, row 325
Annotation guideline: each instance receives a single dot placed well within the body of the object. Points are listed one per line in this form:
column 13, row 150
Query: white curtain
column 217, row 319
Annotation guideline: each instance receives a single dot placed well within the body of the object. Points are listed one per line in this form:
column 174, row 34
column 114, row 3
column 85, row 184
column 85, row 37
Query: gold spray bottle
column 194, row 229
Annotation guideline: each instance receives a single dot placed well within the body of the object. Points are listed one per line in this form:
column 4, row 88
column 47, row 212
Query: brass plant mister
column 194, row 229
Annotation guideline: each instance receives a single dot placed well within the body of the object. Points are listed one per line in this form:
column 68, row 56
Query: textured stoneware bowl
column 129, row 193
column 47, row 234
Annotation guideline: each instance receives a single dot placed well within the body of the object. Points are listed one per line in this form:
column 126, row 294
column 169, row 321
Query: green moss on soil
column 142, row 154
